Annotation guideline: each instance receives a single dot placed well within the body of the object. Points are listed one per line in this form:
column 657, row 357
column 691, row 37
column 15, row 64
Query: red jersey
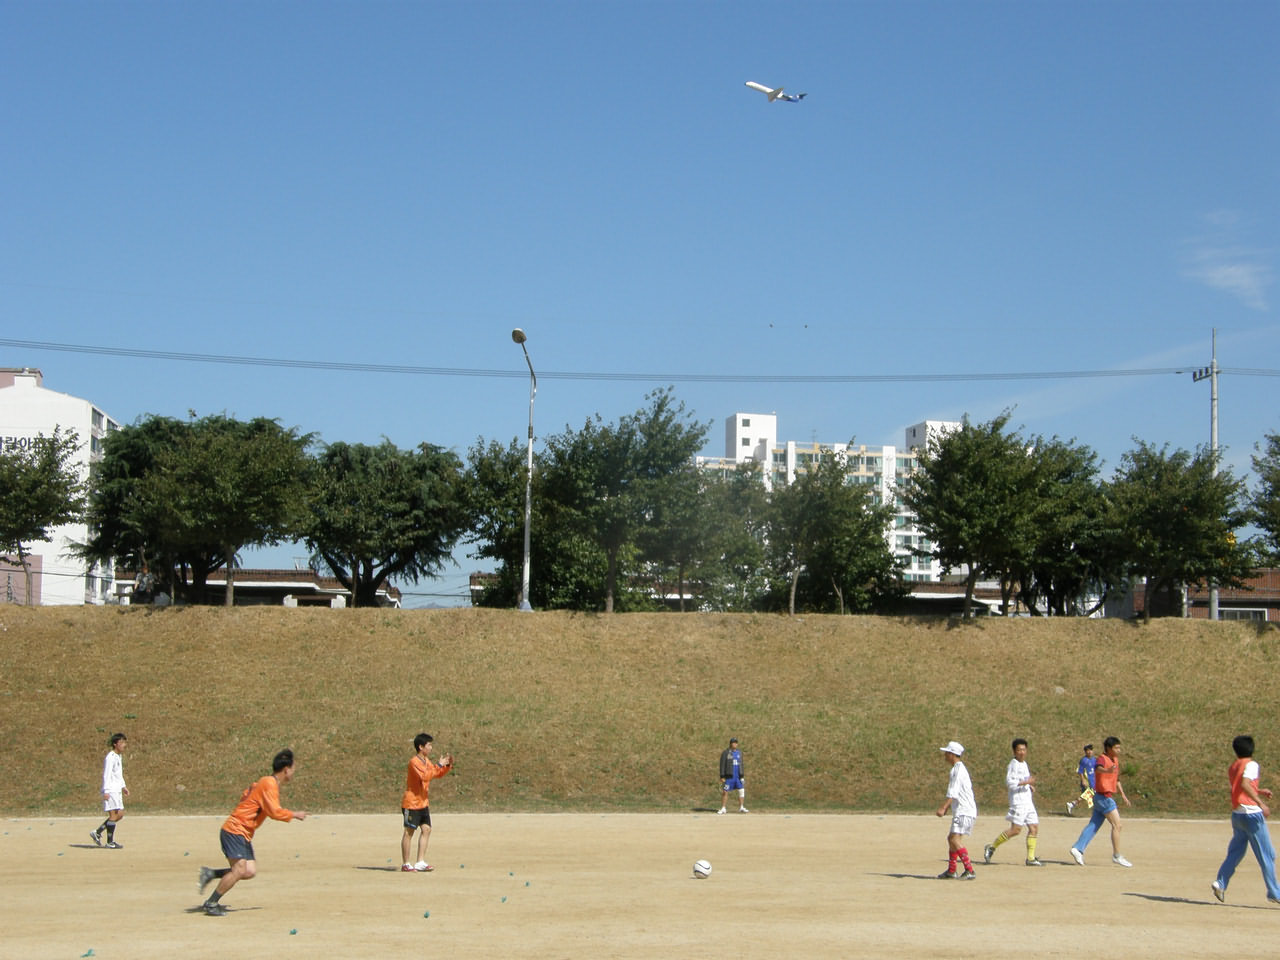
column 1235, row 774
column 259, row 801
column 417, row 782
column 1105, row 776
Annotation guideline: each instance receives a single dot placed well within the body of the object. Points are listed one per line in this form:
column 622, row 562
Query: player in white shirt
column 113, row 792
column 1022, row 808
column 959, row 792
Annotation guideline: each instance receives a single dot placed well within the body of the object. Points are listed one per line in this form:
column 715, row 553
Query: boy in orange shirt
column 1106, row 783
column 415, row 809
column 258, row 802
column 1249, row 814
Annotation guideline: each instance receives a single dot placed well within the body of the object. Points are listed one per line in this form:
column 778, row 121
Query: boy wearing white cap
column 959, row 791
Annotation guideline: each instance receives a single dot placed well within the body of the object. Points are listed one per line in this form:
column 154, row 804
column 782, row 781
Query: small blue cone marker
column 427, row 914
column 293, row 932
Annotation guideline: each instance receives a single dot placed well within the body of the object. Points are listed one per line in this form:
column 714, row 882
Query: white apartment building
column 29, row 411
column 753, row 436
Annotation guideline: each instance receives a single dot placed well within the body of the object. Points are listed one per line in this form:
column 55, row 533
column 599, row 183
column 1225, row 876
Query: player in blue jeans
column 1248, row 823
column 1106, row 778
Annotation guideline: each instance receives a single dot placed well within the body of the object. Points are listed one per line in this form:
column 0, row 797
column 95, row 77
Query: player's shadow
column 200, row 909
column 391, row 869
column 908, row 876
column 87, row 846
column 1195, row 902
column 704, row 809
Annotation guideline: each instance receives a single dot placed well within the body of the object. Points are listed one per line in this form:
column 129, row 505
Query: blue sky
column 969, row 187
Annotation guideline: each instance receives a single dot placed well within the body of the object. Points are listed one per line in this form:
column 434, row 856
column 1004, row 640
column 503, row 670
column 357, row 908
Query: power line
column 405, row 369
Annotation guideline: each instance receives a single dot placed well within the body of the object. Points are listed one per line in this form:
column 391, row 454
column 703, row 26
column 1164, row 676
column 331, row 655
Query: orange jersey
column 1105, row 776
column 259, row 801
column 1235, row 774
column 418, row 781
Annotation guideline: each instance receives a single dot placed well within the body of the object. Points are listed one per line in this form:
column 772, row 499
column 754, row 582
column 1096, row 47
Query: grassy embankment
column 556, row 711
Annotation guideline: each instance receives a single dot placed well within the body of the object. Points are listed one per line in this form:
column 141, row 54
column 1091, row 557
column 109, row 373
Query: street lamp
column 518, row 336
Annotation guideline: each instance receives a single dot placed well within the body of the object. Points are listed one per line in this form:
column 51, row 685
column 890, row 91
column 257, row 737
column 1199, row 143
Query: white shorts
column 113, row 801
column 1021, row 816
column 962, row 825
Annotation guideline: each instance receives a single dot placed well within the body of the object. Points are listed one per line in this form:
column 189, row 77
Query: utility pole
column 1210, row 373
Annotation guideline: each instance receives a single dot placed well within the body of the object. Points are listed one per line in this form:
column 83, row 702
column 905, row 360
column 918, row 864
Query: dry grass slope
column 556, row 711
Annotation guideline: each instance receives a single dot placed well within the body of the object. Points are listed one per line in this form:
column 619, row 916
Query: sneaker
column 743, row 810
column 1272, row 900
column 1034, row 863
column 968, row 875
column 215, row 910
column 207, row 876
column 1219, row 891
column 423, row 867
column 721, row 810
column 947, row 875
column 96, row 837
column 112, row 845
column 1119, row 860
column 988, row 852
column 407, row 868
column 1077, row 856
column 1070, row 806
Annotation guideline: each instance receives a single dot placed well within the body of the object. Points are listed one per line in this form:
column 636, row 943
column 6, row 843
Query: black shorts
column 413, row 819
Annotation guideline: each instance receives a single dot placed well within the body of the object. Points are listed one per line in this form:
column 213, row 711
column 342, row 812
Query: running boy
column 1106, row 780
column 732, row 777
column 415, row 810
column 1022, row 808
column 959, row 790
column 260, row 800
column 113, row 792
column 1085, row 772
column 1248, row 822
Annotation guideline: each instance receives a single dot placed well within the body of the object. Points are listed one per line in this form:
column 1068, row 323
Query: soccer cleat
column 207, row 876
column 1119, row 860
column 1034, row 863
column 1219, row 891
column 968, row 875
column 423, row 867
column 947, row 875
column 407, row 868
column 215, row 910
column 743, row 810
column 721, row 810
column 112, row 845
column 1077, row 856
column 96, row 837
column 988, row 852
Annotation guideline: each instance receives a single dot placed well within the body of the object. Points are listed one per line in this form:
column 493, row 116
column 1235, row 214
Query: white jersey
column 1020, row 796
column 113, row 773
column 960, row 790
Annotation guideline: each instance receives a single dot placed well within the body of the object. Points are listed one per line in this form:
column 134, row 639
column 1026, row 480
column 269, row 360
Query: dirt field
column 620, row 885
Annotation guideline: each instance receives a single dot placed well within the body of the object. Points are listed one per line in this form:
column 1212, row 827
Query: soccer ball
column 702, row 869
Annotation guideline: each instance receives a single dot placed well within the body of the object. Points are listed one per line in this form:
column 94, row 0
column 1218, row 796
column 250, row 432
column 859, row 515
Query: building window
column 746, row 441
column 746, row 421
column 1242, row 613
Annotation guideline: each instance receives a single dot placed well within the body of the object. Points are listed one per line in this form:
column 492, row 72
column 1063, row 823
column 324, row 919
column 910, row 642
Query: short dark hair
column 1110, row 742
column 281, row 760
column 1243, row 746
column 1018, row 740
column 1088, row 747
column 421, row 740
column 117, row 737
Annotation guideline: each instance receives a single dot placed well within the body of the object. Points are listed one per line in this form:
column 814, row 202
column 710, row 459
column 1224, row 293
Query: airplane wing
column 767, row 91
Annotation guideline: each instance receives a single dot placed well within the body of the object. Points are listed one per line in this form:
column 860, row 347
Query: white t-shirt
column 960, row 790
column 113, row 773
column 1251, row 772
column 1020, row 797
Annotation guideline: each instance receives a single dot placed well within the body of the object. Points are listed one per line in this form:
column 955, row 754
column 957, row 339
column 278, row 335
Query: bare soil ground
column 620, row 885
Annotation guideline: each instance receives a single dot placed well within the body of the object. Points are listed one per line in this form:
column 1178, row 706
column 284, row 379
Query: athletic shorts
column 1023, row 815
column 962, row 825
column 734, row 783
column 413, row 819
column 236, row 847
column 1103, row 805
column 113, row 801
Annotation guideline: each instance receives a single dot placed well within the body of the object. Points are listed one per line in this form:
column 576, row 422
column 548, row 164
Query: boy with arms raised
column 415, row 809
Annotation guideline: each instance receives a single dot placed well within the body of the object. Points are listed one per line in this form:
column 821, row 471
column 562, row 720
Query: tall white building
column 29, row 411
column 753, row 436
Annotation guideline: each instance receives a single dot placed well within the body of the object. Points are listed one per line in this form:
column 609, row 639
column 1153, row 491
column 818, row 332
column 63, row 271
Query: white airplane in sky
column 776, row 94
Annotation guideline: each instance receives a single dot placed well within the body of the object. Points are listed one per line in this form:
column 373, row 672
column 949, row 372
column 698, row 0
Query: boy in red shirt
column 259, row 801
column 415, row 808
column 1248, row 823
column 1106, row 781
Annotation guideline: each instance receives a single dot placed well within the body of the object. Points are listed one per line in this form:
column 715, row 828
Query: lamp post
column 1210, row 373
column 518, row 336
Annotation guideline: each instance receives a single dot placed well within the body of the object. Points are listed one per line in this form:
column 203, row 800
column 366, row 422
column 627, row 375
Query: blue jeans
column 1250, row 830
column 1101, row 807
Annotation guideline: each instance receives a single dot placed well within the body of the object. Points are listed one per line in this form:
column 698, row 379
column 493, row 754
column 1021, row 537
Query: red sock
column 951, row 861
column 963, row 853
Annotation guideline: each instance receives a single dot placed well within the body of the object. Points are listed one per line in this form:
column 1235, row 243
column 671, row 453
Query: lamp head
column 518, row 335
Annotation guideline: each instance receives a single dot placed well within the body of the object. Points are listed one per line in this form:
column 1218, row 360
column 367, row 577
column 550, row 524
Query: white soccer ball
column 702, row 869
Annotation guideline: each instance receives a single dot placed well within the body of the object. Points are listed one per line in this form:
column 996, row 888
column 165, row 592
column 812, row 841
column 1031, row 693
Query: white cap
column 953, row 747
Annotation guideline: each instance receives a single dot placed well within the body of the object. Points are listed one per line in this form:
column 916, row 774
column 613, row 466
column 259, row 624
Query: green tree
column 734, row 575
column 969, row 497
column 831, row 531
column 381, row 512
column 1175, row 514
column 1265, row 503
column 39, row 489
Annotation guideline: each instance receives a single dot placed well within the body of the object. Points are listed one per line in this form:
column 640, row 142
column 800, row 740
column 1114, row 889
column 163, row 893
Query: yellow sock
column 1031, row 848
column 999, row 840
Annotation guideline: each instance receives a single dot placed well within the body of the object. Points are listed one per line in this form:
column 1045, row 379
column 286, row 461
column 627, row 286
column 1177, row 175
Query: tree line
column 622, row 519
